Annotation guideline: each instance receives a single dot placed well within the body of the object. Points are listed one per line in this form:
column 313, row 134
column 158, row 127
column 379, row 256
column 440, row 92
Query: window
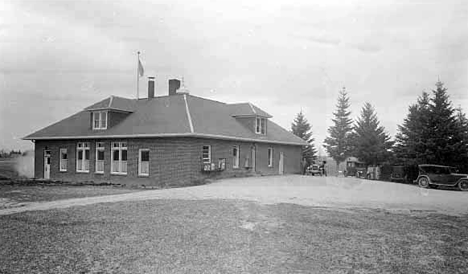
column 206, row 154
column 100, row 120
column 143, row 162
column 270, row 157
column 100, row 157
column 63, row 159
column 119, row 158
column 82, row 157
column 235, row 157
column 260, row 125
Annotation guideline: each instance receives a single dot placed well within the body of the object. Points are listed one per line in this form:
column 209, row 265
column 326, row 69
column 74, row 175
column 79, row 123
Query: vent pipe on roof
column 174, row 85
column 150, row 87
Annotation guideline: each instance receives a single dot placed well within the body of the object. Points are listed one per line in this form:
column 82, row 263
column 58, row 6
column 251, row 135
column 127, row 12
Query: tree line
column 433, row 132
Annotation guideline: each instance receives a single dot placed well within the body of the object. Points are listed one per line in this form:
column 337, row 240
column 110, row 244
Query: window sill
column 118, row 173
column 99, row 172
column 63, row 170
column 143, row 175
column 82, row 171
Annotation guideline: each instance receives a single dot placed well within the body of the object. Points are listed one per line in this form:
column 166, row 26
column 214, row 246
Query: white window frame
column 260, row 125
column 82, row 146
column 140, row 173
column 100, row 146
column 206, row 160
column 102, row 123
column 236, row 159
column 270, row 157
column 120, row 147
column 63, row 162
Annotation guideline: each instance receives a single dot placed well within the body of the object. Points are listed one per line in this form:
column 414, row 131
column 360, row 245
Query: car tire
column 423, row 182
column 463, row 185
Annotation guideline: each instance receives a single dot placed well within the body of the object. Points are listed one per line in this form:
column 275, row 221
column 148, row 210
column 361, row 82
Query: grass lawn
column 40, row 193
column 215, row 236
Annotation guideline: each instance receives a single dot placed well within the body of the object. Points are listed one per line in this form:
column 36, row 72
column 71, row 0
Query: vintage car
column 437, row 175
column 314, row 170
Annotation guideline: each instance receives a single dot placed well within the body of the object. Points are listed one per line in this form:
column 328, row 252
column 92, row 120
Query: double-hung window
column 260, row 125
column 119, row 158
column 270, row 157
column 100, row 120
column 82, row 157
column 63, row 159
column 100, row 157
column 235, row 157
column 206, row 154
column 143, row 162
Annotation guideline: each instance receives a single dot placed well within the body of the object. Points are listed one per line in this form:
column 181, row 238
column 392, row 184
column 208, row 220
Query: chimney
column 150, row 87
column 174, row 85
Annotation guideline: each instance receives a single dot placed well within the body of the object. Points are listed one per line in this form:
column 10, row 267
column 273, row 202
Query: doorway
column 47, row 164
column 281, row 164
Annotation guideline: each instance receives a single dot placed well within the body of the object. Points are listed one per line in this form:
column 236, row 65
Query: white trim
column 100, row 119
column 163, row 135
column 96, row 159
column 110, row 101
column 83, row 148
column 120, row 148
column 188, row 114
column 253, row 110
column 60, row 160
column 237, row 158
column 209, row 154
column 139, row 162
column 270, row 157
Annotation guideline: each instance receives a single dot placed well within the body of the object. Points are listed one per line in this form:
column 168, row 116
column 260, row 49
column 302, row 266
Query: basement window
column 100, row 120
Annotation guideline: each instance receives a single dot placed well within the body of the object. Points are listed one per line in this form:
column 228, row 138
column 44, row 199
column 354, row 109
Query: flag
column 141, row 71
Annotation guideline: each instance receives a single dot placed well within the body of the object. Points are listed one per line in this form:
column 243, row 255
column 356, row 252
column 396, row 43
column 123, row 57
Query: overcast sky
column 58, row 57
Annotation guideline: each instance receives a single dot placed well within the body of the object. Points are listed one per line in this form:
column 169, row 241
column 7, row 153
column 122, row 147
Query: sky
column 58, row 57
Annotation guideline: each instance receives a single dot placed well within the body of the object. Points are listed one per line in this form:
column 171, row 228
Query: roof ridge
column 251, row 106
column 110, row 101
column 207, row 99
column 189, row 117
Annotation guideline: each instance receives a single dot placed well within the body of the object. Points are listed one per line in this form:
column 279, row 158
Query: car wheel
column 463, row 185
column 423, row 182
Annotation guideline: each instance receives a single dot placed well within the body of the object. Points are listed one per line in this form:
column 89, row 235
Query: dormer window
column 260, row 125
column 100, row 120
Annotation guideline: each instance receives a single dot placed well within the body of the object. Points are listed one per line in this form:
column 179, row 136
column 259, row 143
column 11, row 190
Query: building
column 176, row 139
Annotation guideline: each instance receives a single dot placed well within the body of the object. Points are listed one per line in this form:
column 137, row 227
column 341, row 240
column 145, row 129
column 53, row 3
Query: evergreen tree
column 412, row 138
column 371, row 144
column 337, row 143
column 433, row 132
column 301, row 128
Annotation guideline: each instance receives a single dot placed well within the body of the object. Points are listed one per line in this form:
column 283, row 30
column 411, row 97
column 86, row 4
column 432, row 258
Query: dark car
column 436, row 175
column 404, row 173
column 314, row 170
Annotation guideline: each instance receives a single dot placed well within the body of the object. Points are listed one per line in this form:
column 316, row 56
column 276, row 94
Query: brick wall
column 173, row 161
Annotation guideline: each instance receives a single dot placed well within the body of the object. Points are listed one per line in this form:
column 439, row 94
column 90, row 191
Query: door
column 281, row 164
column 47, row 164
column 253, row 154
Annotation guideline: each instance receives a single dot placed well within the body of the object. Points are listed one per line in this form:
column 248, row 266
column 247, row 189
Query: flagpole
column 138, row 75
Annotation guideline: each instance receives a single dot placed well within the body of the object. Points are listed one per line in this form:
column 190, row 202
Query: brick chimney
column 174, row 85
column 150, row 87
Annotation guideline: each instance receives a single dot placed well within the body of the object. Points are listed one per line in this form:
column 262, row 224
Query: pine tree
column 371, row 144
column 337, row 143
column 412, row 138
column 433, row 132
column 301, row 128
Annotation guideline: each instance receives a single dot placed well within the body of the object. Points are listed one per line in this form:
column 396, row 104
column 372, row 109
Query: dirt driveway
column 303, row 190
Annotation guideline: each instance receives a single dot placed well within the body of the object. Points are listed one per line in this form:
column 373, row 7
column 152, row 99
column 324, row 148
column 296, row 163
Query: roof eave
column 165, row 135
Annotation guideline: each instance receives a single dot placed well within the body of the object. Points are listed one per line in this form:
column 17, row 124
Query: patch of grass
column 41, row 193
column 213, row 236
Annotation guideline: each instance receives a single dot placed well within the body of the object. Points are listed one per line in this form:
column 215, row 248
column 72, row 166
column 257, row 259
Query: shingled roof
column 169, row 116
